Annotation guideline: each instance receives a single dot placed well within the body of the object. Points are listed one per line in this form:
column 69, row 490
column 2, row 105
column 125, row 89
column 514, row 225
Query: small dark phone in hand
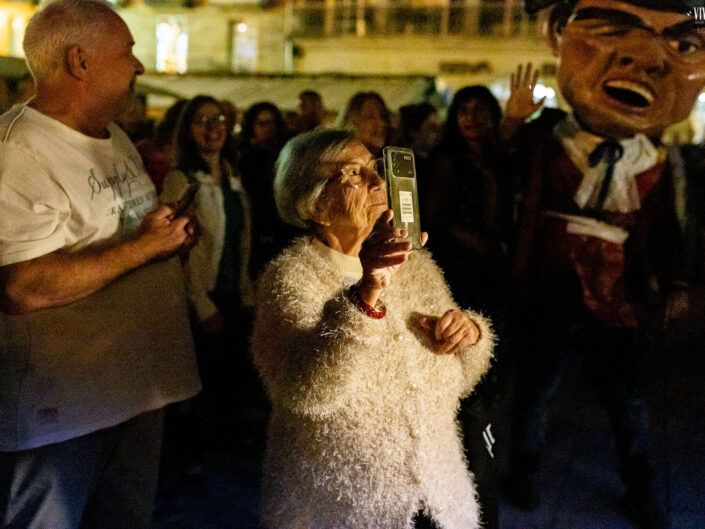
column 400, row 173
column 183, row 203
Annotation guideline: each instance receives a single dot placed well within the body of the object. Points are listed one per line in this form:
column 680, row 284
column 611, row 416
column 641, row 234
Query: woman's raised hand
column 521, row 104
column 381, row 255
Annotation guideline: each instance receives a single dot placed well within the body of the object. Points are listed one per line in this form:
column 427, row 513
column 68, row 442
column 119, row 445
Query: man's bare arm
column 60, row 277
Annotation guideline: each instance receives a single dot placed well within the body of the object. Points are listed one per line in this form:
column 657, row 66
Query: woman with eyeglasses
column 364, row 356
column 217, row 281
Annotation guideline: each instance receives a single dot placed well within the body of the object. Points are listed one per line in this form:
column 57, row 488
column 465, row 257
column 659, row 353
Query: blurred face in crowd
column 355, row 195
column 114, row 68
column 474, row 121
column 429, row 133
column 265, row 128
column 627, row 69
column 310, row 111
column 208, row 128
column 370, row 126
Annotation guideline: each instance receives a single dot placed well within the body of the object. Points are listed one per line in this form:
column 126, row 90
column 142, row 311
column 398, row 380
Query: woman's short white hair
column 302, row 172
column 56, row 27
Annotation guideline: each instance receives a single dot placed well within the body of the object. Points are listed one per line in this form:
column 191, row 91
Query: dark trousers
column 610, row 359
column 103, row 480
column 480, row 448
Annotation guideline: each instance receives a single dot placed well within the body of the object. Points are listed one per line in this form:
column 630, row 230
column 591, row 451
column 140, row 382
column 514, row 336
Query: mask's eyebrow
column 683, row 28
column 611, row 15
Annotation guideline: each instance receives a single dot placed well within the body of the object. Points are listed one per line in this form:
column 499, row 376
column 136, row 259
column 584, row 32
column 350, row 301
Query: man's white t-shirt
column 71, row 370
column 63, row 189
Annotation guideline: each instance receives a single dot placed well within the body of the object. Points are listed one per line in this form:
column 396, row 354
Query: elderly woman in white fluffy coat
column 364, row 356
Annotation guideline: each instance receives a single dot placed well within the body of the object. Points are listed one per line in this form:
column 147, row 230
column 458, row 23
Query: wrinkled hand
column 381, row 257
column 521, row 104
column 451, row 332
column 677, row 306
column 160, row 235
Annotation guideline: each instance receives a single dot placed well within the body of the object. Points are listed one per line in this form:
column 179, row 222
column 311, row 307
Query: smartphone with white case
column 400, row 174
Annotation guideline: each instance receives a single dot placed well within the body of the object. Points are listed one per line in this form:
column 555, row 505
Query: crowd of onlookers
column 225, row 157
column 468, row 199
column 572, row 235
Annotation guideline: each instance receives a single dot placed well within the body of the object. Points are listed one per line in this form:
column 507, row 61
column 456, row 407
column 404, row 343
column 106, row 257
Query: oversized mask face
column 627, row 69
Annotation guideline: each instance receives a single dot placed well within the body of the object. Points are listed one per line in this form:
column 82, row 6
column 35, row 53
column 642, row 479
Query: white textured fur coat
column 363, row 430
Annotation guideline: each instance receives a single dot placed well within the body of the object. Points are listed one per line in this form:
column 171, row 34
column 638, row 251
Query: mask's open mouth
column 629, row 93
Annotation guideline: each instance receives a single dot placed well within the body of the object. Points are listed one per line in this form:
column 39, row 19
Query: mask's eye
column 687, row 45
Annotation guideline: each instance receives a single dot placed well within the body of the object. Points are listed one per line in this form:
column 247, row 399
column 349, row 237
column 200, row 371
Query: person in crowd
column 419, row 130
column 467, row 199
column 598, row 234
column 217, row 280
column 311, row 110
column 23, row 89
column 368, row 116
column 364, row 356
column 263, row 135
column 291, row 122
column 157, row 151
column 468, row 207
column 95, row 338
column 5, row 94
column 232, row 151
column 135, row 122
column 263, row 126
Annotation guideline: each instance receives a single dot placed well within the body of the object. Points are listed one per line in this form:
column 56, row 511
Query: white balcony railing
column 389, row 18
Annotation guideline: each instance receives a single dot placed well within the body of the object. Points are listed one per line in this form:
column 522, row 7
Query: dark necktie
column 610, row 151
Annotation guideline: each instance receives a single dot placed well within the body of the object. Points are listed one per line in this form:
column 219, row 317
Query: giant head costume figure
column 628, row 66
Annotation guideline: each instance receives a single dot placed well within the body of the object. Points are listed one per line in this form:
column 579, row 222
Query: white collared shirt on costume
column 639, row 155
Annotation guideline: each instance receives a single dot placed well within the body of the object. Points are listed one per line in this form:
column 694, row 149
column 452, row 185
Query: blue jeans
column 106, row 479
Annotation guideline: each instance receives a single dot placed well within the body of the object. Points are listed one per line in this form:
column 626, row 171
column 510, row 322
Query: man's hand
column 451, row 332
column 160, row 235
column 61, row 277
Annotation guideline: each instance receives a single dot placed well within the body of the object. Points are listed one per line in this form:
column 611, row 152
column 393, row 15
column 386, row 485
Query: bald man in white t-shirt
column 94, row 332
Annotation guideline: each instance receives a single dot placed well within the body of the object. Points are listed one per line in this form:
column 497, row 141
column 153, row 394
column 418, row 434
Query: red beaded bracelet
column 354, row 296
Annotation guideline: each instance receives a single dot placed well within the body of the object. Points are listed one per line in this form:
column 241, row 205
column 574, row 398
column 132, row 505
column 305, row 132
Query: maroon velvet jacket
column 610, row 280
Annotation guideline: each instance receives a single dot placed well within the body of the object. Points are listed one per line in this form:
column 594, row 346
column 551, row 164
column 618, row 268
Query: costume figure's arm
column 309, row 340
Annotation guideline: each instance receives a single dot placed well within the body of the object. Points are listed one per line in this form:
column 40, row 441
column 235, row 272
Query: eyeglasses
column 683, row 42
column 217, row 120
column 356, row 175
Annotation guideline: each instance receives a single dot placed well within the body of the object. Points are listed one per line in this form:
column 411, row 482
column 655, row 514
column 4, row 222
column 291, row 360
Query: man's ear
column 557, row 20
column 76, row 62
